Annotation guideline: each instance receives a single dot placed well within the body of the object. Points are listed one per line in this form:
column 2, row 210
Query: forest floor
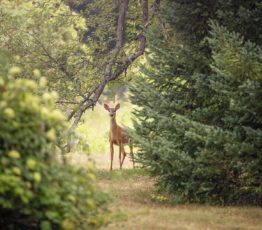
column 134, row 208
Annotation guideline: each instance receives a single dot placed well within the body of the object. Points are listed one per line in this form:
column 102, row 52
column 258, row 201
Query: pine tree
column 165, row 92
column 230, row 161
column 199, row 121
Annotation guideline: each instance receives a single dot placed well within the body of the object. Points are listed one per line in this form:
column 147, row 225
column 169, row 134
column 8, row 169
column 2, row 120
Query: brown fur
column 117, row 136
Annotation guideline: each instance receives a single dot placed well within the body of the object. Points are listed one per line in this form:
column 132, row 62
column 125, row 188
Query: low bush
column 36, row 190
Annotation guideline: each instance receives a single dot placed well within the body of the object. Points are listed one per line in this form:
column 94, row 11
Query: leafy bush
column 36, row 189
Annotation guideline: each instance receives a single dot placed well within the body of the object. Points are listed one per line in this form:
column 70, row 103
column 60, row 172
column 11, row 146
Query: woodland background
column 188, row 75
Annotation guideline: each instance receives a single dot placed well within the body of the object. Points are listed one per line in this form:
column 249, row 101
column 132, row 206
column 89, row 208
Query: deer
column 118, row 136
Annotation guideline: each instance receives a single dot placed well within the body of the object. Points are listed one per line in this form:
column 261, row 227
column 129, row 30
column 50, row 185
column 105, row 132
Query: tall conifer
column 199, row 122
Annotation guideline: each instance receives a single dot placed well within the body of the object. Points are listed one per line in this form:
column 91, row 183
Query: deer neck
column 113, row 125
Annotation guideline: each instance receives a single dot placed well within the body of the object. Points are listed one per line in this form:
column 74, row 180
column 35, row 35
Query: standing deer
column 118, row 136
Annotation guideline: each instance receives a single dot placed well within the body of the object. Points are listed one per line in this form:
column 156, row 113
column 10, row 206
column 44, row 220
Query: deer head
column 112, row 111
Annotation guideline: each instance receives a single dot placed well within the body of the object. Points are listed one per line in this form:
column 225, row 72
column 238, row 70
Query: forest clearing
column 91, row 88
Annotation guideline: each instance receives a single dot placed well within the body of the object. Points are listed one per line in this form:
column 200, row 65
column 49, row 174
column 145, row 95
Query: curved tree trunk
column 91, row 99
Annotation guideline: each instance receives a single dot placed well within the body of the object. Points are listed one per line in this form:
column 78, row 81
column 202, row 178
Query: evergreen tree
column 200, row 118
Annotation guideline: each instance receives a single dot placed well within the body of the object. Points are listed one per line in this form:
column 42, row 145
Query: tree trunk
column 92, row 98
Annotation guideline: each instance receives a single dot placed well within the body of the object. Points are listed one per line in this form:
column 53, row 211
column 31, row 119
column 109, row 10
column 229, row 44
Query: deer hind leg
column 132, row 153
column 112, row 155
column 124, row 154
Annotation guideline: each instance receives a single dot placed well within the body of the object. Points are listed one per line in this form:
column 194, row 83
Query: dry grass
column 133, row 208
column 136, row 210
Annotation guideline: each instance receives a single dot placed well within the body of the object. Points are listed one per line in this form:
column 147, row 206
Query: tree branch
column 93, row 97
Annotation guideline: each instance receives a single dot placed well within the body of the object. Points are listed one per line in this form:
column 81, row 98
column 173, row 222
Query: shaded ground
column 134, row 208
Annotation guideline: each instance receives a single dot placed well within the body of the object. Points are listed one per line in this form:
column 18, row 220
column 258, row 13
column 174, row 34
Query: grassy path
column 133, row 208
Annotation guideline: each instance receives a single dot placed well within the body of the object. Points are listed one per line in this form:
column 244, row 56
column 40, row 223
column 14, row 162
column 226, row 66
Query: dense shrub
column 36, row 190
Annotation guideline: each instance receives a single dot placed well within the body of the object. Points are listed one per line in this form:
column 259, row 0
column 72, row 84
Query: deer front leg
column 112, row 155
column 120, row 150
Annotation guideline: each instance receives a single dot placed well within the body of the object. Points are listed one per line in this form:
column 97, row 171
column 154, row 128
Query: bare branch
column 155, row 11
column 93, row 97
column 108, row 69
column 67, row 102
column 120, row 36
column 87, row 98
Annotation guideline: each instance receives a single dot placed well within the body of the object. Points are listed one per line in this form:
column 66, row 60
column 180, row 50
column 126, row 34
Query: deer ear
column 117, row 106
column 106, row 106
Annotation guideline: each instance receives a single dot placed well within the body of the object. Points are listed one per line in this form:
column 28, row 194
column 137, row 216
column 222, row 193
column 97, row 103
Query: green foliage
column 242, row 16
column 199, row 122
column 47, row 35
column 38, row 190
column 236, row 139
column 70, row 41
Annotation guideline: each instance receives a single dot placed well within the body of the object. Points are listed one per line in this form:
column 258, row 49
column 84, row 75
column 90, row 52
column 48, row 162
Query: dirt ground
column 102, row 161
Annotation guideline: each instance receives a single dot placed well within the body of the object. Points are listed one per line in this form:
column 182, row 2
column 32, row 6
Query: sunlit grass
column 131, row 189
column 121, row 174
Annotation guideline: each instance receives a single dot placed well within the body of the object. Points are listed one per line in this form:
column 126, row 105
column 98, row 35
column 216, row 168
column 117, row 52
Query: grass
column 134, row 208
column 119, row 175
column 135, row 204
